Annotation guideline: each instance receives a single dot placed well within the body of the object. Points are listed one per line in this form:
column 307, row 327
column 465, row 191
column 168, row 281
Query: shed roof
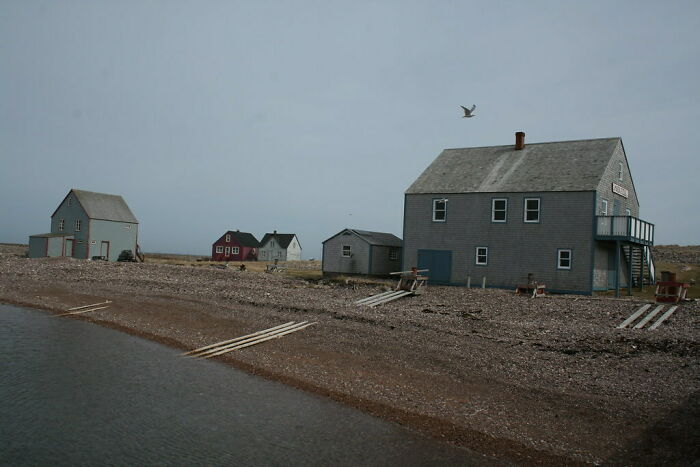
column 244, row 238
column 103, row 206
column 373, row 238
column 555, row 166
column 283, row 239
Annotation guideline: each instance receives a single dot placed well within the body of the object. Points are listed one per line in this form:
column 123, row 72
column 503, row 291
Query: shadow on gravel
column 672, row 440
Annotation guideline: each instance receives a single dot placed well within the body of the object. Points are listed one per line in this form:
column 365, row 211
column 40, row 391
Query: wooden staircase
column 634, row 255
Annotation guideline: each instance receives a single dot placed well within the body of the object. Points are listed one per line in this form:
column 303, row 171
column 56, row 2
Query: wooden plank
column 89, row 306
column 81, row 311
column 258, row 341
column 243, row 339
column 367, row 299
column 648, row 317
column 663, row 318
column 392, row 298
column 380, row 299
column 228, row 341
column 634, row 316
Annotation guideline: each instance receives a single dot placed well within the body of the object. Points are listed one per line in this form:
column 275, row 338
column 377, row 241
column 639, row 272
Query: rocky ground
column 677, row 254
column 531, row 381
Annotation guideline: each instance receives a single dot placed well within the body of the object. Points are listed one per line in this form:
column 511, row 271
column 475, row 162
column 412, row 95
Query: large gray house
column 564, row 214
column 88, row 224
column 353, row 251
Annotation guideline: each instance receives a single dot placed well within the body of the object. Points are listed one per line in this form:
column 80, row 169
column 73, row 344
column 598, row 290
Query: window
column 70, row 201
column 393, row 254
column 532, row 210
column 228, row 238
column 219, row 249
column 628, row 212
column 499, row 208
column 604, row 207
column 347, row 251
column 77, row 225
column 235, row 250
column 61, row 224
column 482, row 255
column 564, row 259
column 439, row 210
column 227, row 250
column 619, row 172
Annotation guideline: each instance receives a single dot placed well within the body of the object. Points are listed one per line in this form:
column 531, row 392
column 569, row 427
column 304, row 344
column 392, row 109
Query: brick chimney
column 519, row 140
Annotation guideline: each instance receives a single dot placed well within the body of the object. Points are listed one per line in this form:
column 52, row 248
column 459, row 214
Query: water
column 73, row 393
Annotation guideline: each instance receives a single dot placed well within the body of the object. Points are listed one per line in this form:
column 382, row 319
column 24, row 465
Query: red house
column 235, row 246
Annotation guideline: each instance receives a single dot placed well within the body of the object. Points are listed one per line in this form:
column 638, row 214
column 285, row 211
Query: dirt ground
column 546, row 381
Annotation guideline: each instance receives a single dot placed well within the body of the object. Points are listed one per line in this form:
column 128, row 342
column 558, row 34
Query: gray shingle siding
column 381, row 264
column 334, row 262
column 515, row 248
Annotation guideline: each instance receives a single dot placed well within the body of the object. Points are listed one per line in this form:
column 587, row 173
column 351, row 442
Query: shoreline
column 417, row 363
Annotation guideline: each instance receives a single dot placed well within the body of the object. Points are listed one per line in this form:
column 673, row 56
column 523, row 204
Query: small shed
column 353, row 251
column 282, row 247
column 235, row 246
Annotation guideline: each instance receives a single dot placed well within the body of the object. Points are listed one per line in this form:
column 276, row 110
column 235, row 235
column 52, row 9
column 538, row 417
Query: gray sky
column 312, row 116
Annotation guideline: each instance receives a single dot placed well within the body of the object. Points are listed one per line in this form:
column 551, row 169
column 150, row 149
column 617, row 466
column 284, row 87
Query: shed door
column 104, row 249
column 69, row 248
column 438, row 263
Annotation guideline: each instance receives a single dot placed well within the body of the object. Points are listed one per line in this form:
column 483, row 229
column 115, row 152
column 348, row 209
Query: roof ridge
column 530, row 144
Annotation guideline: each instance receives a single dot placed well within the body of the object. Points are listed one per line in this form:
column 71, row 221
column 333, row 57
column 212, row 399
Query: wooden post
column 629, row 270
column 641, row 269
column 469, row 282
column 483, row 282
column 617, row 268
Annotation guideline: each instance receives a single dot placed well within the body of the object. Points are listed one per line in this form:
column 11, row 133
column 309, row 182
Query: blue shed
column 86, row 225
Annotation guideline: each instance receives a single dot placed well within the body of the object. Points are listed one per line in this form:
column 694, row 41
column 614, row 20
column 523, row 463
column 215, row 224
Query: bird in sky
column 468, row 112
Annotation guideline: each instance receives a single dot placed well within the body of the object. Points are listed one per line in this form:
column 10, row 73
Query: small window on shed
column 347, row 251
column 393, row 254
column 564, row 259
column 439, row 210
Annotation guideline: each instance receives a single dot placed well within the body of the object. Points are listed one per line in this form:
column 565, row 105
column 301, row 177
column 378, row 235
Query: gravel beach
column 546, row 381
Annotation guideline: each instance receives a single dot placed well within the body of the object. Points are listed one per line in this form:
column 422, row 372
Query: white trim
column 526, row 210
column 77, row 225
column 228, row 238
column 504, row 210
column 235, row 250
column 61, row 224
column 559, row 258
column 604, row 207
column 346, row 251
column 620, row 171
column 227, row 251
column 443, row 210
column 485, row 254
column 219, row 249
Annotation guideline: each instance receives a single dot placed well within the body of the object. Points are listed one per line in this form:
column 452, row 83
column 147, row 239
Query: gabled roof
column 283, row 239
column 244, row 238
column 102, row 206
column 373, row 238
column 556, row 166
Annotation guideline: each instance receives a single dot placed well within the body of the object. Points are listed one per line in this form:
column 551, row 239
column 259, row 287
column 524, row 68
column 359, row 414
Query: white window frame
column 235, row 250
column 620, row 171
column 628, row 212
column 219, row 249
column 393, row 254
column 485, row 254
column 346, row 251
column 604, row 207
column 77, row 225
column 61, row 225
column 227, row 251
column 228, row 238
column 559, row 258
column 443, row 210
column 526, row 210
column 494, row 210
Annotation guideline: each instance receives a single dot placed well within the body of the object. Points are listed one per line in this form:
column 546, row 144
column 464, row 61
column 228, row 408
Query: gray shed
column 353, row 251
column 86, row 225
column 563, row 213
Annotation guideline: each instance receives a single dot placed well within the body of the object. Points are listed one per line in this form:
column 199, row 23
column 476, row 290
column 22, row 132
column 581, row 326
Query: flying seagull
column 468, row 112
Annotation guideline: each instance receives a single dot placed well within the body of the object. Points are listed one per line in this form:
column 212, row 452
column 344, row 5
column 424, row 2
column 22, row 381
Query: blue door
column 438, row 263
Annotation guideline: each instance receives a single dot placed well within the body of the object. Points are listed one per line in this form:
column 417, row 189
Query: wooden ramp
column 410, row 283
column 647, row 317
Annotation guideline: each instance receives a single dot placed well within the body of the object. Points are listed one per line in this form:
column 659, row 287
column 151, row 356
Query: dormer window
column 77, row 225
column 619, row 172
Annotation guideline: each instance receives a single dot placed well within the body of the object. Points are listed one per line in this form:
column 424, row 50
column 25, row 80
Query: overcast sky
column 308, row 117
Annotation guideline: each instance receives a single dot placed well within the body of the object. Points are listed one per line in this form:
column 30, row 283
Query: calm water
column 73, row 393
